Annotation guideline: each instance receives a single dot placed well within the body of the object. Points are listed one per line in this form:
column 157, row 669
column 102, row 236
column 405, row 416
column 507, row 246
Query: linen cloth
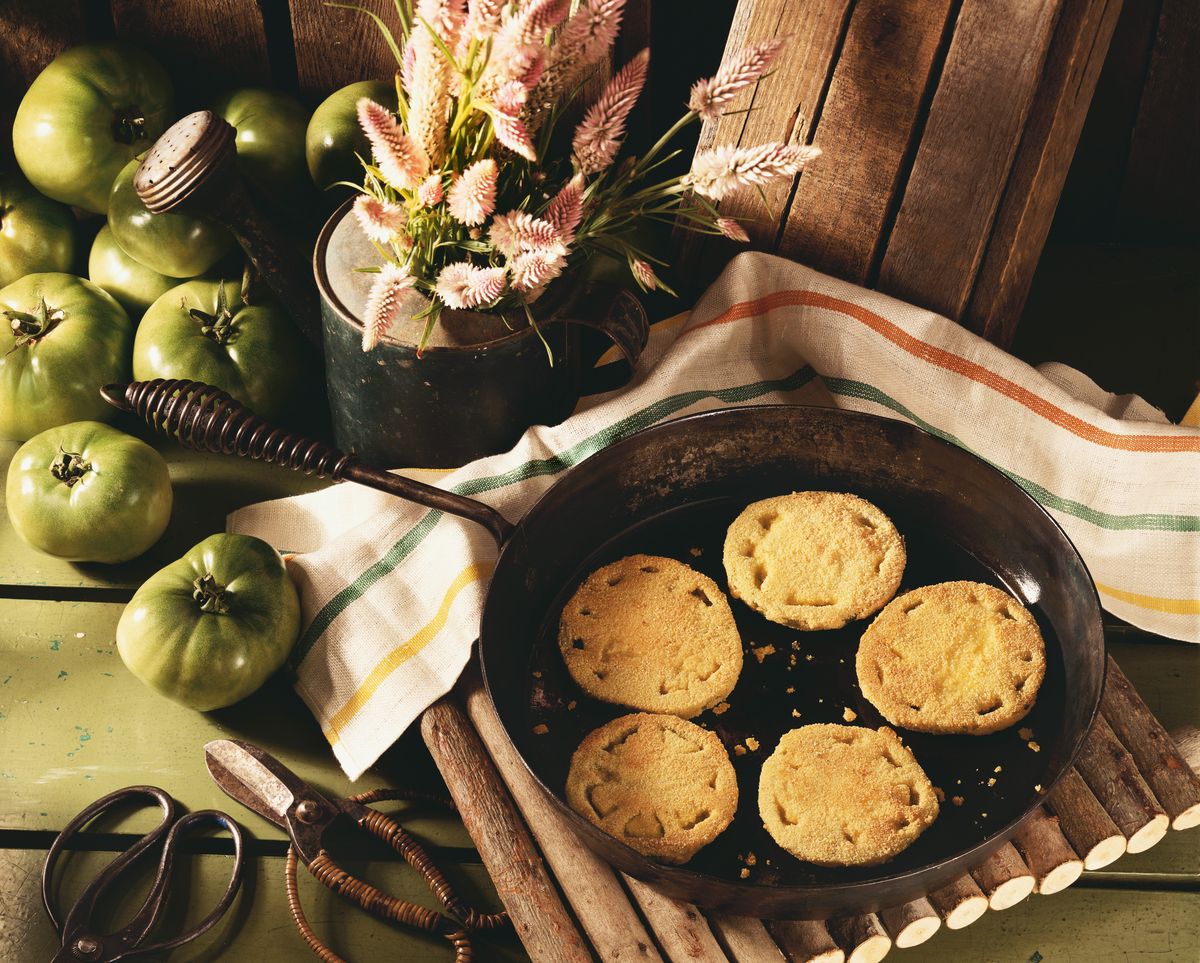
column 392, row 592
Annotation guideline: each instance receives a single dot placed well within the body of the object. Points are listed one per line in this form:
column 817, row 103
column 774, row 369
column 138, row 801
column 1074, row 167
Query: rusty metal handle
column 205, row 418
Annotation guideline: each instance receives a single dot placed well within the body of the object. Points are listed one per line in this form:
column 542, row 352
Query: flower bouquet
column 478, row 196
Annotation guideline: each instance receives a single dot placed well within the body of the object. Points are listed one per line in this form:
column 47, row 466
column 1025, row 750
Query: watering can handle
column 620, row 317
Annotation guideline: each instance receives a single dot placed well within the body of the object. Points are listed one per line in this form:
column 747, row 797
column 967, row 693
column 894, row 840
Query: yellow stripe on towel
column 1172, row 606
column 405, row 651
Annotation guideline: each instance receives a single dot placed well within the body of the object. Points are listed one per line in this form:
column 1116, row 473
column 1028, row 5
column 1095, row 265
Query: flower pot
column 480, row 382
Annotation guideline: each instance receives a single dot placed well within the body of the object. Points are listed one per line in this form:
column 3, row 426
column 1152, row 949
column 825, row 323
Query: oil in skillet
column 790, row 679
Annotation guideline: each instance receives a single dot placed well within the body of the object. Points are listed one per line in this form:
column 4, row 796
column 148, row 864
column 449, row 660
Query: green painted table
column 74, row 725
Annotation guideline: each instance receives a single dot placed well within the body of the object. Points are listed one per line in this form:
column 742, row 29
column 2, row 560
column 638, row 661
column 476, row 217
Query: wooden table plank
column 75, row 724
column 207, row 488
column 258, row 927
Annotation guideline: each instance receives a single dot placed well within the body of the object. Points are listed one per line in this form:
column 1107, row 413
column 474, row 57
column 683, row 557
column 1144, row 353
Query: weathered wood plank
column 207, row 47
column 258, row 926
column 975, row 123
column 838, row 216
column 1160, row 197
column 336, row 47
column 207, row 488
column 76, row 724
column 1060, row 106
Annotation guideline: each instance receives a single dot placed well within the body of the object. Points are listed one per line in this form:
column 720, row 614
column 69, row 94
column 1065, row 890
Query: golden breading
column 957, row 657
column 814, row 560
column 844, row 795
column 657, row 783
column 653, row 634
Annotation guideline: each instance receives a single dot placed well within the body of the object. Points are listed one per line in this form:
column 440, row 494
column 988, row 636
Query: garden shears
column 263, row 784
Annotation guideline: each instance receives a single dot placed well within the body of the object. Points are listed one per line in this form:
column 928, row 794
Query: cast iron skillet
column 672, row 489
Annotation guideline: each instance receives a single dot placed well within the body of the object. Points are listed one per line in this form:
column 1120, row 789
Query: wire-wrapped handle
column 205, row 418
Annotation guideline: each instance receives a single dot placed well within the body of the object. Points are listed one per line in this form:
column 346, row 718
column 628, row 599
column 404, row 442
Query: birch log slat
column 682, row 930
column 1046, row 852
column 1004, row 878
column 974, row 127
column 590, row 885
column 912, row 923
column 745, row 939
column 512, row 861
column 1088, row 827
column 1158, row 759
column 335, row 47
column 1113, row 776
column 862, row 938
column 1077, row 52
column 807, row 941
column 959, row 903
column 207, row 47
column 868, row 122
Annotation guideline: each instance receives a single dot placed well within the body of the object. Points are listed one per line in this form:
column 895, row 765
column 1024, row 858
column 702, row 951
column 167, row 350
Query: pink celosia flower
column 566, row 210
column 510, row 97
column 588, row 35
column 473, row 194
column 446, row 17
column 430, row 194
column 530, row 23
column 401, row 162
column 732, row 229
column 533, row 270
column 512, row 134
column 598, row 136
column 483, row 18
column 384, row 303
column 750, row 63
column 517, row 231
column 644, row 274
column 408, row 64
column 380, row 220
column 717, row 172
column 462, row 285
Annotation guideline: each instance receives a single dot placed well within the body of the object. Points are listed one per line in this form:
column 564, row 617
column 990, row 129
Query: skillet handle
column 205, row 418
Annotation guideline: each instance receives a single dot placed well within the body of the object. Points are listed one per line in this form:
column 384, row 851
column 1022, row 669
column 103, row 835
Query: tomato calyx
column 219, row 325
column 69, row 467
column 29, row 327
column 211, row 594
column 129, row 125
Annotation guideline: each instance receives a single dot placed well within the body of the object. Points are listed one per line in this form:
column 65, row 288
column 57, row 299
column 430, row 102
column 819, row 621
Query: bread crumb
column 695, row 552
column 752, row 744
column 762, row 651
column 957, row 800
column 792, row 659
column 739, row 750
column 849, row 714
column 796, row 644
column 983, row 815
column 541, row 729
column 1034, row 746
column 998, row 769
column 790, row 689
column 992, row 781
column 745, row 873
column 795, row 713
column 809, row 657
column 719, row 708
column 1025, row 733
column 537, row 675
column 751, row 859
column 571, row 705
column 940, row 793
column 1037, row 787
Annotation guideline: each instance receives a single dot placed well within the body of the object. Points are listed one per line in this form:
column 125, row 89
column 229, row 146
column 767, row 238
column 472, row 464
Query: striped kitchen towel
column 392, row 592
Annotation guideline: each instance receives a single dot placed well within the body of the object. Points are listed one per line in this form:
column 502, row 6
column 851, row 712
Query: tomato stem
column 129, row 125
column 28, row 327
column 211, row 594
column 219, row 325
column 69, row 467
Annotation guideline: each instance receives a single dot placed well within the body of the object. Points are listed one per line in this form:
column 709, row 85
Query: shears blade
column 253, row 778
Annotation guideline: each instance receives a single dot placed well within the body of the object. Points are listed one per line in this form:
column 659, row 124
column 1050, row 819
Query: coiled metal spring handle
column 205, row 418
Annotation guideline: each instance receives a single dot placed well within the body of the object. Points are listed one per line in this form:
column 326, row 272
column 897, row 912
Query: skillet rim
column 681, row 876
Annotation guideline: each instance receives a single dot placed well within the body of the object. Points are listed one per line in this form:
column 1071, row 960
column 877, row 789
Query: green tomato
column 63, row 339
column 177, row 245
column 88, row 493
column 203, row 331
column 85, row 116
column 270, row 142
column 334, row 137
column 36, row 233
column 211, row 628
column 133, row 284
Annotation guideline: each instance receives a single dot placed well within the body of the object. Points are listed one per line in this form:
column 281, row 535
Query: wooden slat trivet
column 1109, row 803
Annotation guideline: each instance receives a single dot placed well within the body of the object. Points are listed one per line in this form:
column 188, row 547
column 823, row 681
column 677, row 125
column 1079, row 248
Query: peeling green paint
column 55, row 645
